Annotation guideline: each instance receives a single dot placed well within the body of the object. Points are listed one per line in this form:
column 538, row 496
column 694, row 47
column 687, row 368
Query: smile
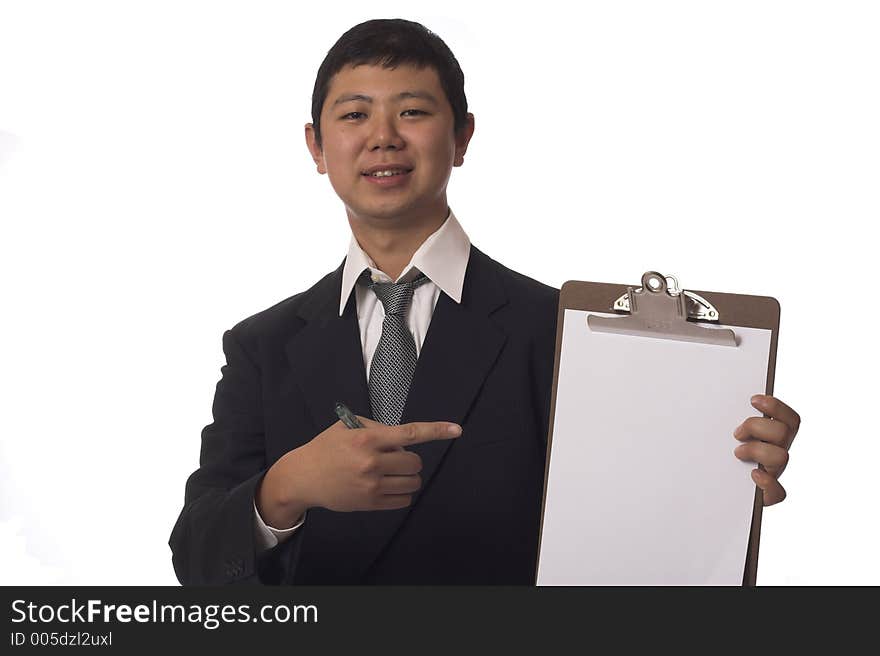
column 387, row 173
column 388, row 178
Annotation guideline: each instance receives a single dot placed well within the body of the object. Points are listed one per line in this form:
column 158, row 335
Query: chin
column 382, row 212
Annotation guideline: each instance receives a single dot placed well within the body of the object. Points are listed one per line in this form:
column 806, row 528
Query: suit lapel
column 326, row 357
column 460, row 348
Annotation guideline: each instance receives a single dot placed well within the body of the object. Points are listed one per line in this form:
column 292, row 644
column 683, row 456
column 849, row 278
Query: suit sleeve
column 213, row 540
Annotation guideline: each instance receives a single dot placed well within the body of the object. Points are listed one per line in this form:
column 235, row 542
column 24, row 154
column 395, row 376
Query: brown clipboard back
column 737, row 310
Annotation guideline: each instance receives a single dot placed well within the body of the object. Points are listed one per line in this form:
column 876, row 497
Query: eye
column 414, row 112
column 353, row 115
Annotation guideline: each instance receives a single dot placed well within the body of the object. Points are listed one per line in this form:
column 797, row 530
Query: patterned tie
column 394, row 362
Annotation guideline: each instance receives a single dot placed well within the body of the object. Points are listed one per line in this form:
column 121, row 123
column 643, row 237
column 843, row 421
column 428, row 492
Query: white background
column 155, row 189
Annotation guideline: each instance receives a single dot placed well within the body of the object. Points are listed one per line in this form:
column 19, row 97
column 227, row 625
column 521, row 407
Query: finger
column 370, row 423
column 773, row 407
column 767, row 430
column 400, row 484
column 392, row 437
column 769, row 455
column 371, row 437
column 772, row 489
column 398, row 463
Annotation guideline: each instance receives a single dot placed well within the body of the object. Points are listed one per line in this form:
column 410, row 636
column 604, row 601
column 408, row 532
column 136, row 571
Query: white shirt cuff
column 267, row 536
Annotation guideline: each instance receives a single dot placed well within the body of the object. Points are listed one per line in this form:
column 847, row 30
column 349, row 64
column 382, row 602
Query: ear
column 462, row 139
column 314, row 149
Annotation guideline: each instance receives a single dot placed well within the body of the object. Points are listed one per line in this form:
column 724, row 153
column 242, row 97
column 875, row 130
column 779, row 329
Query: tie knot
column 395, row 296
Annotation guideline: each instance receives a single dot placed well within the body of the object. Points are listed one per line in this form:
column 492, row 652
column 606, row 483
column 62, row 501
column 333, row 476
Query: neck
column 391, row 244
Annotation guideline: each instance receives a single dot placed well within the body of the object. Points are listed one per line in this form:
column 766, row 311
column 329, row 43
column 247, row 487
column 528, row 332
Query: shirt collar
column 443, row 257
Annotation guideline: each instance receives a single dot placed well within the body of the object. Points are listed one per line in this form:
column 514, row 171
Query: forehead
column 382, row 83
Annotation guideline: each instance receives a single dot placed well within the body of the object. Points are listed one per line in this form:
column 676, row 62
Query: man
column 445, row 355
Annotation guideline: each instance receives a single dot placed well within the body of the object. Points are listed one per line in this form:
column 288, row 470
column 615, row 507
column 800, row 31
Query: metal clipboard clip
column 655, row 310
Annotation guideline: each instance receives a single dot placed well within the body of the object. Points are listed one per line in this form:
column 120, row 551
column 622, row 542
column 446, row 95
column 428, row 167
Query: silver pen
column 347, row 416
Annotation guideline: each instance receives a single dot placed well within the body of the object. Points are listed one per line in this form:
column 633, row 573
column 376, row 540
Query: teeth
column 385, row 174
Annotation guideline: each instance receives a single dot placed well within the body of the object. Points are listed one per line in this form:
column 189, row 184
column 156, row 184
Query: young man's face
column 389, row 120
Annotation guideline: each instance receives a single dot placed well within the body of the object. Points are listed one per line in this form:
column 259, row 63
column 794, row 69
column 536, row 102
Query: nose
column 384, row 134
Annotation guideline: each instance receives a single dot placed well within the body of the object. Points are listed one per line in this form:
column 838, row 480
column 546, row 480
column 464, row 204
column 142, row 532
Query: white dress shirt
column 443, row 257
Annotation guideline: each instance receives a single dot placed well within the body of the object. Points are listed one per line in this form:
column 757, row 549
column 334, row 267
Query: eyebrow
column 404, row 95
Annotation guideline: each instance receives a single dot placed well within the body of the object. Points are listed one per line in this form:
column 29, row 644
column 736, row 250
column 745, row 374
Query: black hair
column 390, row 43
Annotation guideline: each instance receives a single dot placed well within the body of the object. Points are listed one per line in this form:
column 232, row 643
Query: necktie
column 394, row 361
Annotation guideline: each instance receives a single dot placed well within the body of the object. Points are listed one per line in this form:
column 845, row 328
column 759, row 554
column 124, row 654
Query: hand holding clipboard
column 649, row 383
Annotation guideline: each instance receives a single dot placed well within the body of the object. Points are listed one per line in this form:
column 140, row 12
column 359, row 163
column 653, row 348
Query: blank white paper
column 643, row 487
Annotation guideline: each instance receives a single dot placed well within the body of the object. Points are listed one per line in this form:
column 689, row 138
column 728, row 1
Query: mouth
column 386, row 172
column 387, row 176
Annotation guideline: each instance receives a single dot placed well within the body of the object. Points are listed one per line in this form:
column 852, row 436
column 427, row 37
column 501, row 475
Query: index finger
column 773, row 407
column 416, row 432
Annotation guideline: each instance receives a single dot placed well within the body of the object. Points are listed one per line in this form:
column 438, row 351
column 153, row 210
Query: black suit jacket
column 486, row 363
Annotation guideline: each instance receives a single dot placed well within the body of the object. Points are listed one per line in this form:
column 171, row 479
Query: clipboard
column 707, row 325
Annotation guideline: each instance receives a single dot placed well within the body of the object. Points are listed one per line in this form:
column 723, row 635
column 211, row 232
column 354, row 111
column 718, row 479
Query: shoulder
column 285, row 318
column 531, row 307
column 522, row 291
